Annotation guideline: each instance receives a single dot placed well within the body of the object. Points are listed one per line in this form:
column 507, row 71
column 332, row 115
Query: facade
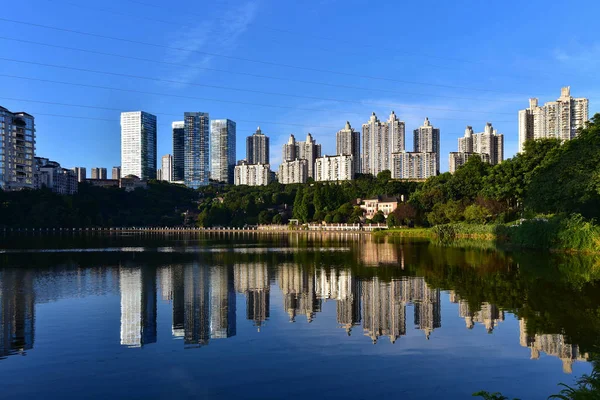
column 252, row 174
column 222, row 150
column 81, row 174
column 410, row 165
column 426, row 139
column 560, row 119
column 116, row 172
column 348, row 144
column 385, row 204
column 379, row 141
column 99, row 173
column 457, row 159
column 178, row 150
column 257, row 148
column 17, row 150
column 166, row 168
column 138, row 144
column 293, row 171
column 308, row 150
column 51, row 175
column 334, row 168
column 196, row 148
column 489, row 145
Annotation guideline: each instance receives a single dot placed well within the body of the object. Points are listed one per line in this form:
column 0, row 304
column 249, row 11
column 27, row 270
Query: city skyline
column 454, row 68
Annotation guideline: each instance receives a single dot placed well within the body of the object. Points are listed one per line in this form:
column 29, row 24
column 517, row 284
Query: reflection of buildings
column 383, row 312
column 196, row 305
column 298, row 287
column 489, row 314
column 374, row 253
column 343, row 287
column 253, row 281
column 427, row 301
column 551, row 344
column 17, row 316
column 138, row 306
column 222, row 303
column 384, row 307
column 178, row 301
column 208, row 304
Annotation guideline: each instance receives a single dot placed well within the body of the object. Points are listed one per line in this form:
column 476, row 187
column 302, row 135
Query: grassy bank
column 560, row 233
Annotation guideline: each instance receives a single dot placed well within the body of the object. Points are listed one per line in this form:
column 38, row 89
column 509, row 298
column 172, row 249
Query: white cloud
column 218, row 33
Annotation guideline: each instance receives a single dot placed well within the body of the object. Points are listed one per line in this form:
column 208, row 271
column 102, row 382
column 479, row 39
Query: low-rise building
column 335, row 168
column 105, row 183
column 385, row 204
column 293, row 171
column 132, row 182
column 51, row 175
column 252, row 174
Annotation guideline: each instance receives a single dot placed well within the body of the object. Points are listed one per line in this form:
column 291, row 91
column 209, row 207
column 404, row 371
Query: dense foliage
column 547, row 178
column 312, row 202
column 161, row 204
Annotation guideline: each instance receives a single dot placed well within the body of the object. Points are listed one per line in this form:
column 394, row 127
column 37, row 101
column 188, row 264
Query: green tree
column 277, row 219
column 476, row 214
column 378, row 218
column 391, row 221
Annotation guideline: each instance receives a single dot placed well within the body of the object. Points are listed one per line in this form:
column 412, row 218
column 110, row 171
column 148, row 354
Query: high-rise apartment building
column 81, row 174
column 99, row 173
column 412, row 165
column 348, row 144
column 17, row 150
column 196, row 148
column 166, row 168
column 489, row 145
column 308, row 150
column 252, row 174
column 334, row 168
column 560, row 119
column 138, row 144
column 426, row 139
column 116, row 173
column 178, row 150
column 290, row 150
column 257, row 148
column 379, row 141
column 293, row 171
column 222, row 150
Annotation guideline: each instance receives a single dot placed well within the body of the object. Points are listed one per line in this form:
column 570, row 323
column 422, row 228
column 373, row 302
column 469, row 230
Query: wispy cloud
column 216, row 35
column 579, row 56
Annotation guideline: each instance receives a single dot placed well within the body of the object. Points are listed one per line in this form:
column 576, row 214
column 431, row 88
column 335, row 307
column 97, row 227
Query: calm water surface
column 289, row 316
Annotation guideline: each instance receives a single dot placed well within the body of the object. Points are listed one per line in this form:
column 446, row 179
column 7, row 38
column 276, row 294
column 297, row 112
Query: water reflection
column 202, row 294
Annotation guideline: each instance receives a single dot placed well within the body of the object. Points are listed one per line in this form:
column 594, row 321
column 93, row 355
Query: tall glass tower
column 138, row 144
column 178, row 150
column 222, row 150
column 196, row 138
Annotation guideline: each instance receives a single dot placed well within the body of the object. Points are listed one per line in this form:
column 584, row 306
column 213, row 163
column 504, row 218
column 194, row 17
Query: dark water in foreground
column 289, row 316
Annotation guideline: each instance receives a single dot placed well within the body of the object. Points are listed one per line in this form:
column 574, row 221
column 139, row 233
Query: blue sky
column 459, row 63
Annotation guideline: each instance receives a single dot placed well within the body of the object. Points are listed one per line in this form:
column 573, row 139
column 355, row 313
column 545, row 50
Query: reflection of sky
column 77, row 354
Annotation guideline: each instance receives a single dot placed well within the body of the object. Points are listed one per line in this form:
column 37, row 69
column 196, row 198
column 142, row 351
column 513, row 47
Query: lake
column 288, row 316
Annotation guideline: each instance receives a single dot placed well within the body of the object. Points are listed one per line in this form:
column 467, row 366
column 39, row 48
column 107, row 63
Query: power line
column 246, row 90
column 252, row 60
column 154, row 113
column 254, row 75
column 180, row 24
column 190, row 97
